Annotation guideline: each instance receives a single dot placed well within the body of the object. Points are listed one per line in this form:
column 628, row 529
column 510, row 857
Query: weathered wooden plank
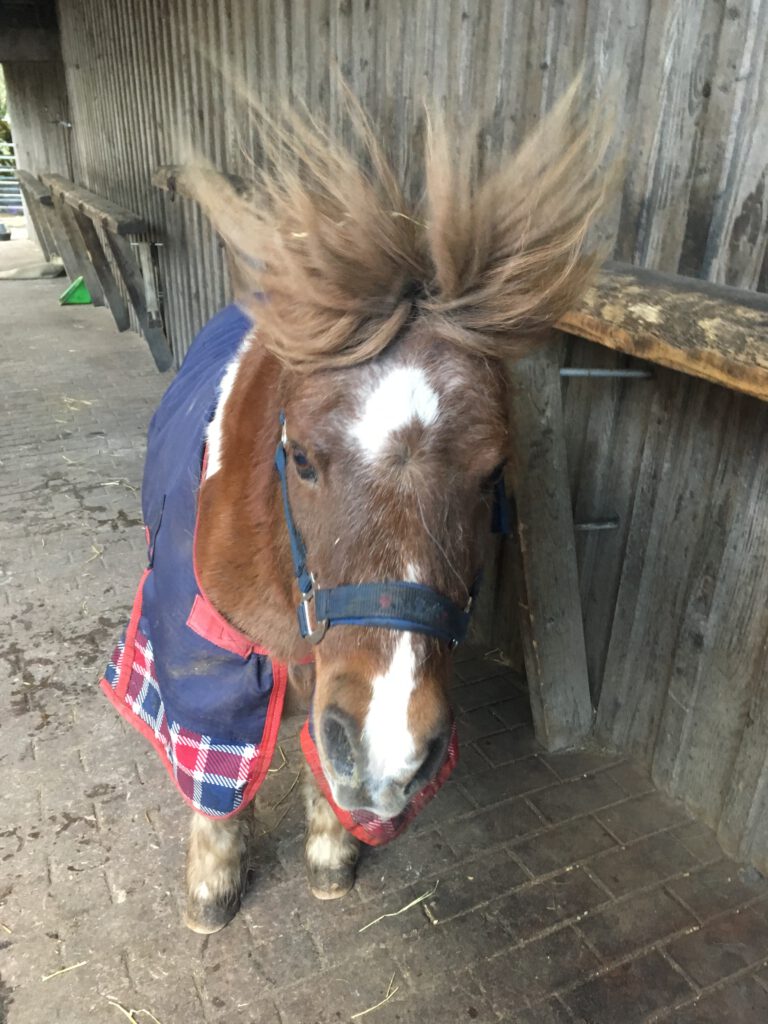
column 60, row 240
column 111, row 216
column 103, row 271
column 35, row 196
column 661, row 138
column 654, row 571
column 33, row 187
column 730, row 217
column 706, row 330
column 85, row 267
column 713, row 682
column 134, row 284
column 551, row 621
column 605, row 428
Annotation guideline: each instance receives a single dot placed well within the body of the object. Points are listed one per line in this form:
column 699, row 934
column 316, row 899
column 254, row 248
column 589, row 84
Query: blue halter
column 390, row 604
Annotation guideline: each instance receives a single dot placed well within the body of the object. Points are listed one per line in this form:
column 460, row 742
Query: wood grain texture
column 551, row 622
column 606, row 422
column 85, row 268
column 716, row 333
column 133, row 281
column 102, row 211
column 103, row 270
column 36, row 196
column 147, row 83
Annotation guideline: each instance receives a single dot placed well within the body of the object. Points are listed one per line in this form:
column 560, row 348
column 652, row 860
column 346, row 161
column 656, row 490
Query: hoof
column 209, row 916
column 331, row 883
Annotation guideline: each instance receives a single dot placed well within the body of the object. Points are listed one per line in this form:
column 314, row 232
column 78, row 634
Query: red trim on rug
column 211, row 625
column 255, row 778
column 149, row 734
column 373, row 834
column 271, row 729
column 126, row 664
column 204, row 617
column 205, row 620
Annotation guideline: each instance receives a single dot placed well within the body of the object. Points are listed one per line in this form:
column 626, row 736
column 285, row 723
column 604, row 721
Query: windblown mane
column 345, row 259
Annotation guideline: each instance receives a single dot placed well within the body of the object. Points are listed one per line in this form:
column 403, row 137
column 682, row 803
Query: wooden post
column 103, row 270
column 550, row 605
column 61, row 241
column 134, row 283
column 36, row 195
column 77, row 245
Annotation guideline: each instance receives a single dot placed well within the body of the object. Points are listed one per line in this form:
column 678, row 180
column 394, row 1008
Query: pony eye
column 304, row 467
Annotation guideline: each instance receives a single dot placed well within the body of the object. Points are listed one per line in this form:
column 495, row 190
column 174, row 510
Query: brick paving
column 566, row 888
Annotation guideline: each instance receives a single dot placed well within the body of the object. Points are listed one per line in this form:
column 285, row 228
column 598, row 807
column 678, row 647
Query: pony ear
column 512, row 255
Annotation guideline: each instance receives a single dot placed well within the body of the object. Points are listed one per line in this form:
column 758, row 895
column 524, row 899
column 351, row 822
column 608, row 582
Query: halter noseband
column 390, row 604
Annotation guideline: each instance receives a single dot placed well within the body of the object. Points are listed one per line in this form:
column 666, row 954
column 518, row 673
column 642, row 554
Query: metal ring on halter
column 312, row 633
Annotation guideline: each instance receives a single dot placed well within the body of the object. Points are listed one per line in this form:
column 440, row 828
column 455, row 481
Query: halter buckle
column 313, row 633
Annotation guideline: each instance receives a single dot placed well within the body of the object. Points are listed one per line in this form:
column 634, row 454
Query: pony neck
column 243, row 556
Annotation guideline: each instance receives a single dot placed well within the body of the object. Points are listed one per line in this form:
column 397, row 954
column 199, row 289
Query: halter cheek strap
column 390, row 604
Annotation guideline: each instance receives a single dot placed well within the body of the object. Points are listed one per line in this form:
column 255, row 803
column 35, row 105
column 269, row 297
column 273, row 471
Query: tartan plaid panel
column 382, row 830
column 211, row 774
column 112, row 671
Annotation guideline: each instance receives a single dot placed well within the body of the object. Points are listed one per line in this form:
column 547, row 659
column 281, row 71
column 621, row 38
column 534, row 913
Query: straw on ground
column 402, row 910
column 391, row 990
column 64, row 970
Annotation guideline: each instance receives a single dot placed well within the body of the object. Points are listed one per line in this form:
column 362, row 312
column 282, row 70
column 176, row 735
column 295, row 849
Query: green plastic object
column 76, row 295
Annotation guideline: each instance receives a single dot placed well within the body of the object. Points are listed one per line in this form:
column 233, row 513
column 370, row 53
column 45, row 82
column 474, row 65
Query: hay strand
column 391, row 990
column 402, row 910
column 64, row 970
column 131, row 1014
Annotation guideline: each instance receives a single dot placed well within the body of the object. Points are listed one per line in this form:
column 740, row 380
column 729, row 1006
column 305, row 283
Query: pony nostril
column 339, row 748
column 431, row 764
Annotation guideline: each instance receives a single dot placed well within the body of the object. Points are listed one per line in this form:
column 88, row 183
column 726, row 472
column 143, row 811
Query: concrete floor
column 563, row 887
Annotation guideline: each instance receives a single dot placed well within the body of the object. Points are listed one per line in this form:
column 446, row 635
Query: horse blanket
column 207, row 697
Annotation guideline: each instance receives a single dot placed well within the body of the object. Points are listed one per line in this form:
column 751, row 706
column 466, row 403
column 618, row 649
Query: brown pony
column 382, row 328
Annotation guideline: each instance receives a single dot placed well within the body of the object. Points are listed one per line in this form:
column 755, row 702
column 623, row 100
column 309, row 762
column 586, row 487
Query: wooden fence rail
column 71, row 221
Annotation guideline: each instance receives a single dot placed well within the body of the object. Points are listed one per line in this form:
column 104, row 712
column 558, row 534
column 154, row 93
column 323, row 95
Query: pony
column 372, row 358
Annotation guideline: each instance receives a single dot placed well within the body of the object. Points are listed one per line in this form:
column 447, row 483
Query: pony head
column 383, row 325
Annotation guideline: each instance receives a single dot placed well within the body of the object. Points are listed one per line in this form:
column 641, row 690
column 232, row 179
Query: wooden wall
column 689, row 75
column 39, row 109
column 674, row 599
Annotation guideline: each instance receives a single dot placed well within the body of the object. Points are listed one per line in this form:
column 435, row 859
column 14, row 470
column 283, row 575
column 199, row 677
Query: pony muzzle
column 355, row 785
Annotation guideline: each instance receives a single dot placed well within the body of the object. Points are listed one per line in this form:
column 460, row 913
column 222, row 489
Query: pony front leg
column 217, row 866
column 330, row 852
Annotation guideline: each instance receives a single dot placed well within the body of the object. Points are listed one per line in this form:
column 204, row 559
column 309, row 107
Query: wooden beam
column 112, row 217
column 60, row 241
column 696, row 327
column 36, row 195
column 103, row 270
column 33, row 187
column 550, row 606
column 85, row 267
column 136, row 288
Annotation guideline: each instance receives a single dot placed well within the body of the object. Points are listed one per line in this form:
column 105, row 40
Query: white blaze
column 216, row 426
column 388, row 740
column 402, row 395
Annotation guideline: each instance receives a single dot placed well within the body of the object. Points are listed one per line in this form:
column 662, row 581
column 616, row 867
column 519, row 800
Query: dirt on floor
column 560, row 888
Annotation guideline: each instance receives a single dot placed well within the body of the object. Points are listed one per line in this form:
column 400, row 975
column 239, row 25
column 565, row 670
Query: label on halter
column 365, row 825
